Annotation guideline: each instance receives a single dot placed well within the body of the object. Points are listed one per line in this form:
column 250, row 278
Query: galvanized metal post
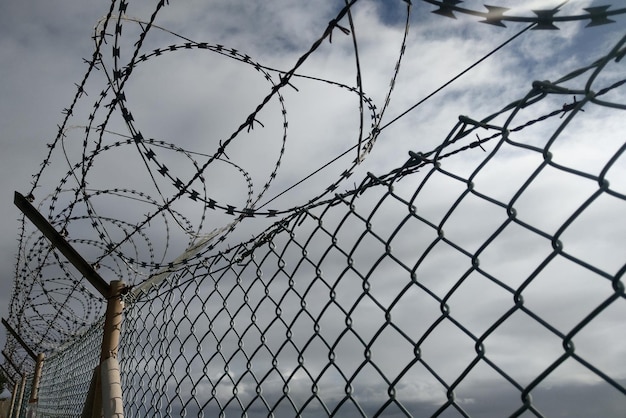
column 20, row 397
column 16, row 389
column 105, row 393
column 34, row 390
column 113, row 321
column 89, row 409
column 111, row 382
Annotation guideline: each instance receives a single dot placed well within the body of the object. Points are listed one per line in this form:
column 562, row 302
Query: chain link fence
column 483, row 277
column 422, row 292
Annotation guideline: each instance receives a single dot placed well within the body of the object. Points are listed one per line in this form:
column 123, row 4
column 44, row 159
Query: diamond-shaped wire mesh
column 400, row 298
column 67, row 374
column 460, row 279
column 391, row 300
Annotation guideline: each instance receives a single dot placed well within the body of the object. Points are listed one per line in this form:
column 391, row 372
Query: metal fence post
column 89, row 410
column 34, row 390
column 20, row 398
column 105, row 392
column 16, row 389
column 110, row 378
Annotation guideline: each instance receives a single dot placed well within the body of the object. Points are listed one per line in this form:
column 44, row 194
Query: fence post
column 105, row 389
column 34, row 390
column 20, row 398
column 101, row 396
column 89, row 410
column 110, row 378
column 14, row 392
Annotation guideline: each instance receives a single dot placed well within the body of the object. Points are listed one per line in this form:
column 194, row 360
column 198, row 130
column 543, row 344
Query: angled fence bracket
column 10, row 361
column 105, row 392
column 7, row 375
column 57, row 240
column 19, row 339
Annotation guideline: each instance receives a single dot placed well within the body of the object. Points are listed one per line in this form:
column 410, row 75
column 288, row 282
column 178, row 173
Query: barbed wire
column 50, row 305
column 37, row 258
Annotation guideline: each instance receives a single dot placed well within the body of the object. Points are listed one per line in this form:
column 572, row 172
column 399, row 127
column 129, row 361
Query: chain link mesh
column 488, row 270
column 404, row 296
column 67, row 374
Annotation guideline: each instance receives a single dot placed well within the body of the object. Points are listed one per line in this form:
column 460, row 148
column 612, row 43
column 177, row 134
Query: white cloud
column 194, row 99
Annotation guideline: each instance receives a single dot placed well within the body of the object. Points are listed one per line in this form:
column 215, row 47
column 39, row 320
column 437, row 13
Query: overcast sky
column 195, row 99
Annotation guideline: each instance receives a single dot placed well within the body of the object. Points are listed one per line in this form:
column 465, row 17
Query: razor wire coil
column 297, row 320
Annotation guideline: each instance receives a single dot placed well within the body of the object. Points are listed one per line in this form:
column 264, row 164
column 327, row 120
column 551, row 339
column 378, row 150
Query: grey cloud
column 179, row 103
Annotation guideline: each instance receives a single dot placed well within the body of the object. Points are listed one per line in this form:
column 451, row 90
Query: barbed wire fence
column 489, row 266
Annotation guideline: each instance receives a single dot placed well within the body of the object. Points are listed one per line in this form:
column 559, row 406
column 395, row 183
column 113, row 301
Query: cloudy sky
column 196, row 99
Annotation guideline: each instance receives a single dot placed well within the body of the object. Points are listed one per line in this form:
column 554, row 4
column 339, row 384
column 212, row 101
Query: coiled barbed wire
column 51, row 304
